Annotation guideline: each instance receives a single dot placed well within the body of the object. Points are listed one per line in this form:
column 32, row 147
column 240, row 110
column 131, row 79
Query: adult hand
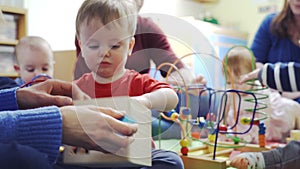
column 200, row 79
column 180, row 77
column 49, row 92
column 249, row 76
column 199, row 82
column 96, row 128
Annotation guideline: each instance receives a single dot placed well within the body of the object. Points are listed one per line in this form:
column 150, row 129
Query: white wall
column 172, row 7
column 53, row 20
column 243, row 15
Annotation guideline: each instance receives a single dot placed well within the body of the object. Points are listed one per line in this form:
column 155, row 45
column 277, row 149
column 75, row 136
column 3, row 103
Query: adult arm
column 6, row 83
column 49, row 92
column 280, row 76
column 38, row 128
column 42, row 128
column 46, row 128
column 8, row 99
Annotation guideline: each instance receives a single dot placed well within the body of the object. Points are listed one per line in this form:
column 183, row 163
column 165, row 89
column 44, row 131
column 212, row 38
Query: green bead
column 236, row 140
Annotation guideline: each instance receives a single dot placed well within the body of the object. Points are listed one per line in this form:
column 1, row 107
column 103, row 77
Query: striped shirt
column 281, row 76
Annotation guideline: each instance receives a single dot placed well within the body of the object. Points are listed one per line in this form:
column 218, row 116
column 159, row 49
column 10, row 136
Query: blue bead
column 186, row 111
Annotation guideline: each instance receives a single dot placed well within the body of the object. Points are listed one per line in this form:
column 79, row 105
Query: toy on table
column 214, row 121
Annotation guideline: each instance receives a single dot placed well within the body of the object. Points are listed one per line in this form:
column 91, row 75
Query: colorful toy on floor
column 215, row 124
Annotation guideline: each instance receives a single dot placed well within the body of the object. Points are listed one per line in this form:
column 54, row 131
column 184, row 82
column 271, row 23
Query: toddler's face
column 33, row 62
column 105, row 48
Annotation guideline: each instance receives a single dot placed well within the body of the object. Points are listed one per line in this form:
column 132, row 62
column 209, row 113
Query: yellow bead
column 245, row 120
column 184, row 143
column 211, row 137
column 174, row 116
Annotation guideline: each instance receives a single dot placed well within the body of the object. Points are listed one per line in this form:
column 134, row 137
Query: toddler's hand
column 248, row 160
column 240, row 163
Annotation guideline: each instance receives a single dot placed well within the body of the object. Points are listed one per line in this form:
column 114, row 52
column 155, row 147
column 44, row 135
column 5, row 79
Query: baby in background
column 281, row 157
column 238, row 61
column 281, row 112
column 33, row 57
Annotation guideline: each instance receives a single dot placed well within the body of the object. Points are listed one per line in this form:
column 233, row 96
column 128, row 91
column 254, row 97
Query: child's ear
column 80, row 44
column 131, row 45
column 17, row 68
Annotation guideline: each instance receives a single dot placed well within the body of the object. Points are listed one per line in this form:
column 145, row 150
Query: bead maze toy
column 215, row 153
column 212, row 149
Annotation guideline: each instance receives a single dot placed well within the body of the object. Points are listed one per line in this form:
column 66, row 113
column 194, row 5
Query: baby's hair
column 108, row 11
column 32, row 43
column 237, row 59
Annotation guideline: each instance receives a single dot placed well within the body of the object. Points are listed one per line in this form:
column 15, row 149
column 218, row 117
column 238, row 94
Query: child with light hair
column 33, row 57
column 238, row 61
column 275, row 76
column 281, row 112
column 105, row 31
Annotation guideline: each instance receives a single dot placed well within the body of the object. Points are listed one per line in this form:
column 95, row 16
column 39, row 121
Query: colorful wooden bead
column 245, row 120
column 211, row 137
column 184, row 143
column 184, row 151
column 186, row 111
column 174, row 116
column 222, row 127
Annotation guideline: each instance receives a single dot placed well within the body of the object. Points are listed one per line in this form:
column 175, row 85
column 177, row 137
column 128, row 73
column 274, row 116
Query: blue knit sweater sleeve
column 281, row 76
column 8, row 99
column 39, row 128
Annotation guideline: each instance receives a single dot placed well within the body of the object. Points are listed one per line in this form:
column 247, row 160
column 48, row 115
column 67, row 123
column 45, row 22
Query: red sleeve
column 150, row 84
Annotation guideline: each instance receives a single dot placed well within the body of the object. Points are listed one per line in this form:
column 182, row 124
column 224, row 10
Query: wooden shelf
column 13, row 10
column 20, row 21
column 8, row 42
column 11, row 75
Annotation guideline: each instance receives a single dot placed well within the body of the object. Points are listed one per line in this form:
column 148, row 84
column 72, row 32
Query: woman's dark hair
column 283, row 21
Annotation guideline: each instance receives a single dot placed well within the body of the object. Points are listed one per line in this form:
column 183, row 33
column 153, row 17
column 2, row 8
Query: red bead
column 222, row 127
column 256, row 122
column 184, row 151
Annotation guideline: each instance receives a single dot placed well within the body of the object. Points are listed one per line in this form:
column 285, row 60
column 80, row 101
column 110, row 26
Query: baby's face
column 235, row 80
column 105, row 49
column 33, row 62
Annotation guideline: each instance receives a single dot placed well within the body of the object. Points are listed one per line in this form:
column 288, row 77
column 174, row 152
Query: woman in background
column 278, row 39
